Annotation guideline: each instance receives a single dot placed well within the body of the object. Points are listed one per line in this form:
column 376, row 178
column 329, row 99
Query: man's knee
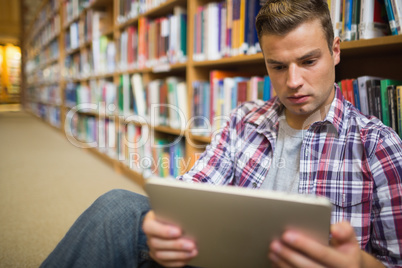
column 116, row 203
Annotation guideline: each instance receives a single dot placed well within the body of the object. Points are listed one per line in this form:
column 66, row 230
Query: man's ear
column 336, row 50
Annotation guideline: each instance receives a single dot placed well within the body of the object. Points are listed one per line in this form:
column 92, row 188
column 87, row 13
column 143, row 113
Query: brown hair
column 279, row 17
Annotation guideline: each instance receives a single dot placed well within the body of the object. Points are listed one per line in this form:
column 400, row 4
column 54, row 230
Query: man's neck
column 304, row 122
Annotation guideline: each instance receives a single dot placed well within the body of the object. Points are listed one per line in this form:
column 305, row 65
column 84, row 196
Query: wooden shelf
column 164, row 8
column 386, row 44
column 162, row 68
column 169, row 130
column 249, row 59
column 203, row 139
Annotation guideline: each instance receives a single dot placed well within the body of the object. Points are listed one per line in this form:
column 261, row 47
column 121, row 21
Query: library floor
column 45, row 184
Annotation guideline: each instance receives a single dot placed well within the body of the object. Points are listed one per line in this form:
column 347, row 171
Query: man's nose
column 294, row 79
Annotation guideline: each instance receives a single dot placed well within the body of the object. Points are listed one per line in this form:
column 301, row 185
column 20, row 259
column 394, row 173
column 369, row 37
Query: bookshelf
column 63, row 70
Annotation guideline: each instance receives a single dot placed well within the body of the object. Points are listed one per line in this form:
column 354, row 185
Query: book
column 242, row 92
column 391, row 17
column 214, row 77
column 347, row 20
column 243, row 46
column 336, row 16
column 377, row 98
column 268, row 91
column 142, row 48
column 372, row 87
column 182, row 97
column 397, row 9
column 356, row 94
column 373, row 23
column 212, row 48
column 393, row 108
column 355, row 19
column 236, row 27
column 384, row 83
column 399, row 108
column 363, row 96
column 347, row 90
column 139, row 96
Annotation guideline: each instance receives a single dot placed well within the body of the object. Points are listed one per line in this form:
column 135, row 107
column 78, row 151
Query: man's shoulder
column 254, row 110
column 367, row 125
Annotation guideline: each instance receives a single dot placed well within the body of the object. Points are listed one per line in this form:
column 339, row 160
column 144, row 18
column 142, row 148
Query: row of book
column 94, row 24
column 46, row 34
column 213, row 100
column 98, row 92
column 227, row 28
column 365, row 19
column 49, row 54
column 155, row 41
column 49, row 74
column 49, row 9
column 99, row 60
column 86, row 131
column 47, row 94
column 162, row 102
column 129, row 9
column 79, row 65
column 133, row 146
column 73, row 8
column 49, row 113
column 168, row 157
column 376, row 96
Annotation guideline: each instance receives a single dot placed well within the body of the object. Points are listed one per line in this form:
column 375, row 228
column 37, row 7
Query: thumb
column 342, row 233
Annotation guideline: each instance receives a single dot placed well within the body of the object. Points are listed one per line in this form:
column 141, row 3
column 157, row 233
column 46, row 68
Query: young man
column 307, row 140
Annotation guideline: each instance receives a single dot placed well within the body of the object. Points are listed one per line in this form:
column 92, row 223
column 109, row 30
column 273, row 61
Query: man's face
column 302, row 70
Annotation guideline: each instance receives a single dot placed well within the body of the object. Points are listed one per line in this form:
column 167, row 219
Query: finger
column 153, row 227
column 284, row 256
column 171, row 244
column 277, row 261
column 322, row 254
column 173, row 258
column 342, row 233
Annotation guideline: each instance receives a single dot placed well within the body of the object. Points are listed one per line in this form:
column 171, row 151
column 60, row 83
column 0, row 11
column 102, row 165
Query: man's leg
column 108, row 234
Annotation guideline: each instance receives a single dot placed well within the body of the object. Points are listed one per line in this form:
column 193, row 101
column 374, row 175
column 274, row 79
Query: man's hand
column 297, row 250
column 166, row 244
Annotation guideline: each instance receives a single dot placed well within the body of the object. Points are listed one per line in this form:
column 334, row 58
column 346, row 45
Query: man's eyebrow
column 313, row 53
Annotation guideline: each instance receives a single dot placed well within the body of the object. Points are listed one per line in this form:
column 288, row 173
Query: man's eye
column 309, row 62
column 278, row 68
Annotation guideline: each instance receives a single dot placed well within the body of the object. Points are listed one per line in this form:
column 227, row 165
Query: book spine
column 393, row 107
column 397, row 9
column 391, row 18
column 399, row 107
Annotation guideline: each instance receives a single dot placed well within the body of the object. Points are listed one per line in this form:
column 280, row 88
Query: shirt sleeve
column 386, row 168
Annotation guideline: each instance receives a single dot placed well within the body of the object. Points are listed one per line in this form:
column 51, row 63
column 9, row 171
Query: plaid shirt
column 354, row 160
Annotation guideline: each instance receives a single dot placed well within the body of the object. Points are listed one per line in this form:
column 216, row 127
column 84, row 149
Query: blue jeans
column 108, row 234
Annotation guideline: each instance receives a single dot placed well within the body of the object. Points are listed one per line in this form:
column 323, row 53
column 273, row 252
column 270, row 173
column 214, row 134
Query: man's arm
column 297, row 250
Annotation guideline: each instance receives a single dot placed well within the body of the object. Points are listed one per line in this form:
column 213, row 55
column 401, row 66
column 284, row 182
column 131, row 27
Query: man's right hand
column 166, row 244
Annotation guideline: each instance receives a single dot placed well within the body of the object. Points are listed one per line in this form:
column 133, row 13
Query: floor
column 45, row 184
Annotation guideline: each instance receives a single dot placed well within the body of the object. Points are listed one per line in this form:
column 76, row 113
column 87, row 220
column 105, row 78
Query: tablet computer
column 234, row 226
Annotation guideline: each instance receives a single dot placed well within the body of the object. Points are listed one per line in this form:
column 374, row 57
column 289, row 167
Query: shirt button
column 254, row 185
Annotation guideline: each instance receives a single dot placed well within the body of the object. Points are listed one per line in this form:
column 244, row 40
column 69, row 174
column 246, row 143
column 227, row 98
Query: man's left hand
column 294, row 249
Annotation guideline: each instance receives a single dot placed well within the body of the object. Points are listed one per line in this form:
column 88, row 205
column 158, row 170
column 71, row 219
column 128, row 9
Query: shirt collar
column 266, row 116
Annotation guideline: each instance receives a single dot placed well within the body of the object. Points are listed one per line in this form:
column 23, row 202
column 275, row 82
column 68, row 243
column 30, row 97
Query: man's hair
column 279, row 17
